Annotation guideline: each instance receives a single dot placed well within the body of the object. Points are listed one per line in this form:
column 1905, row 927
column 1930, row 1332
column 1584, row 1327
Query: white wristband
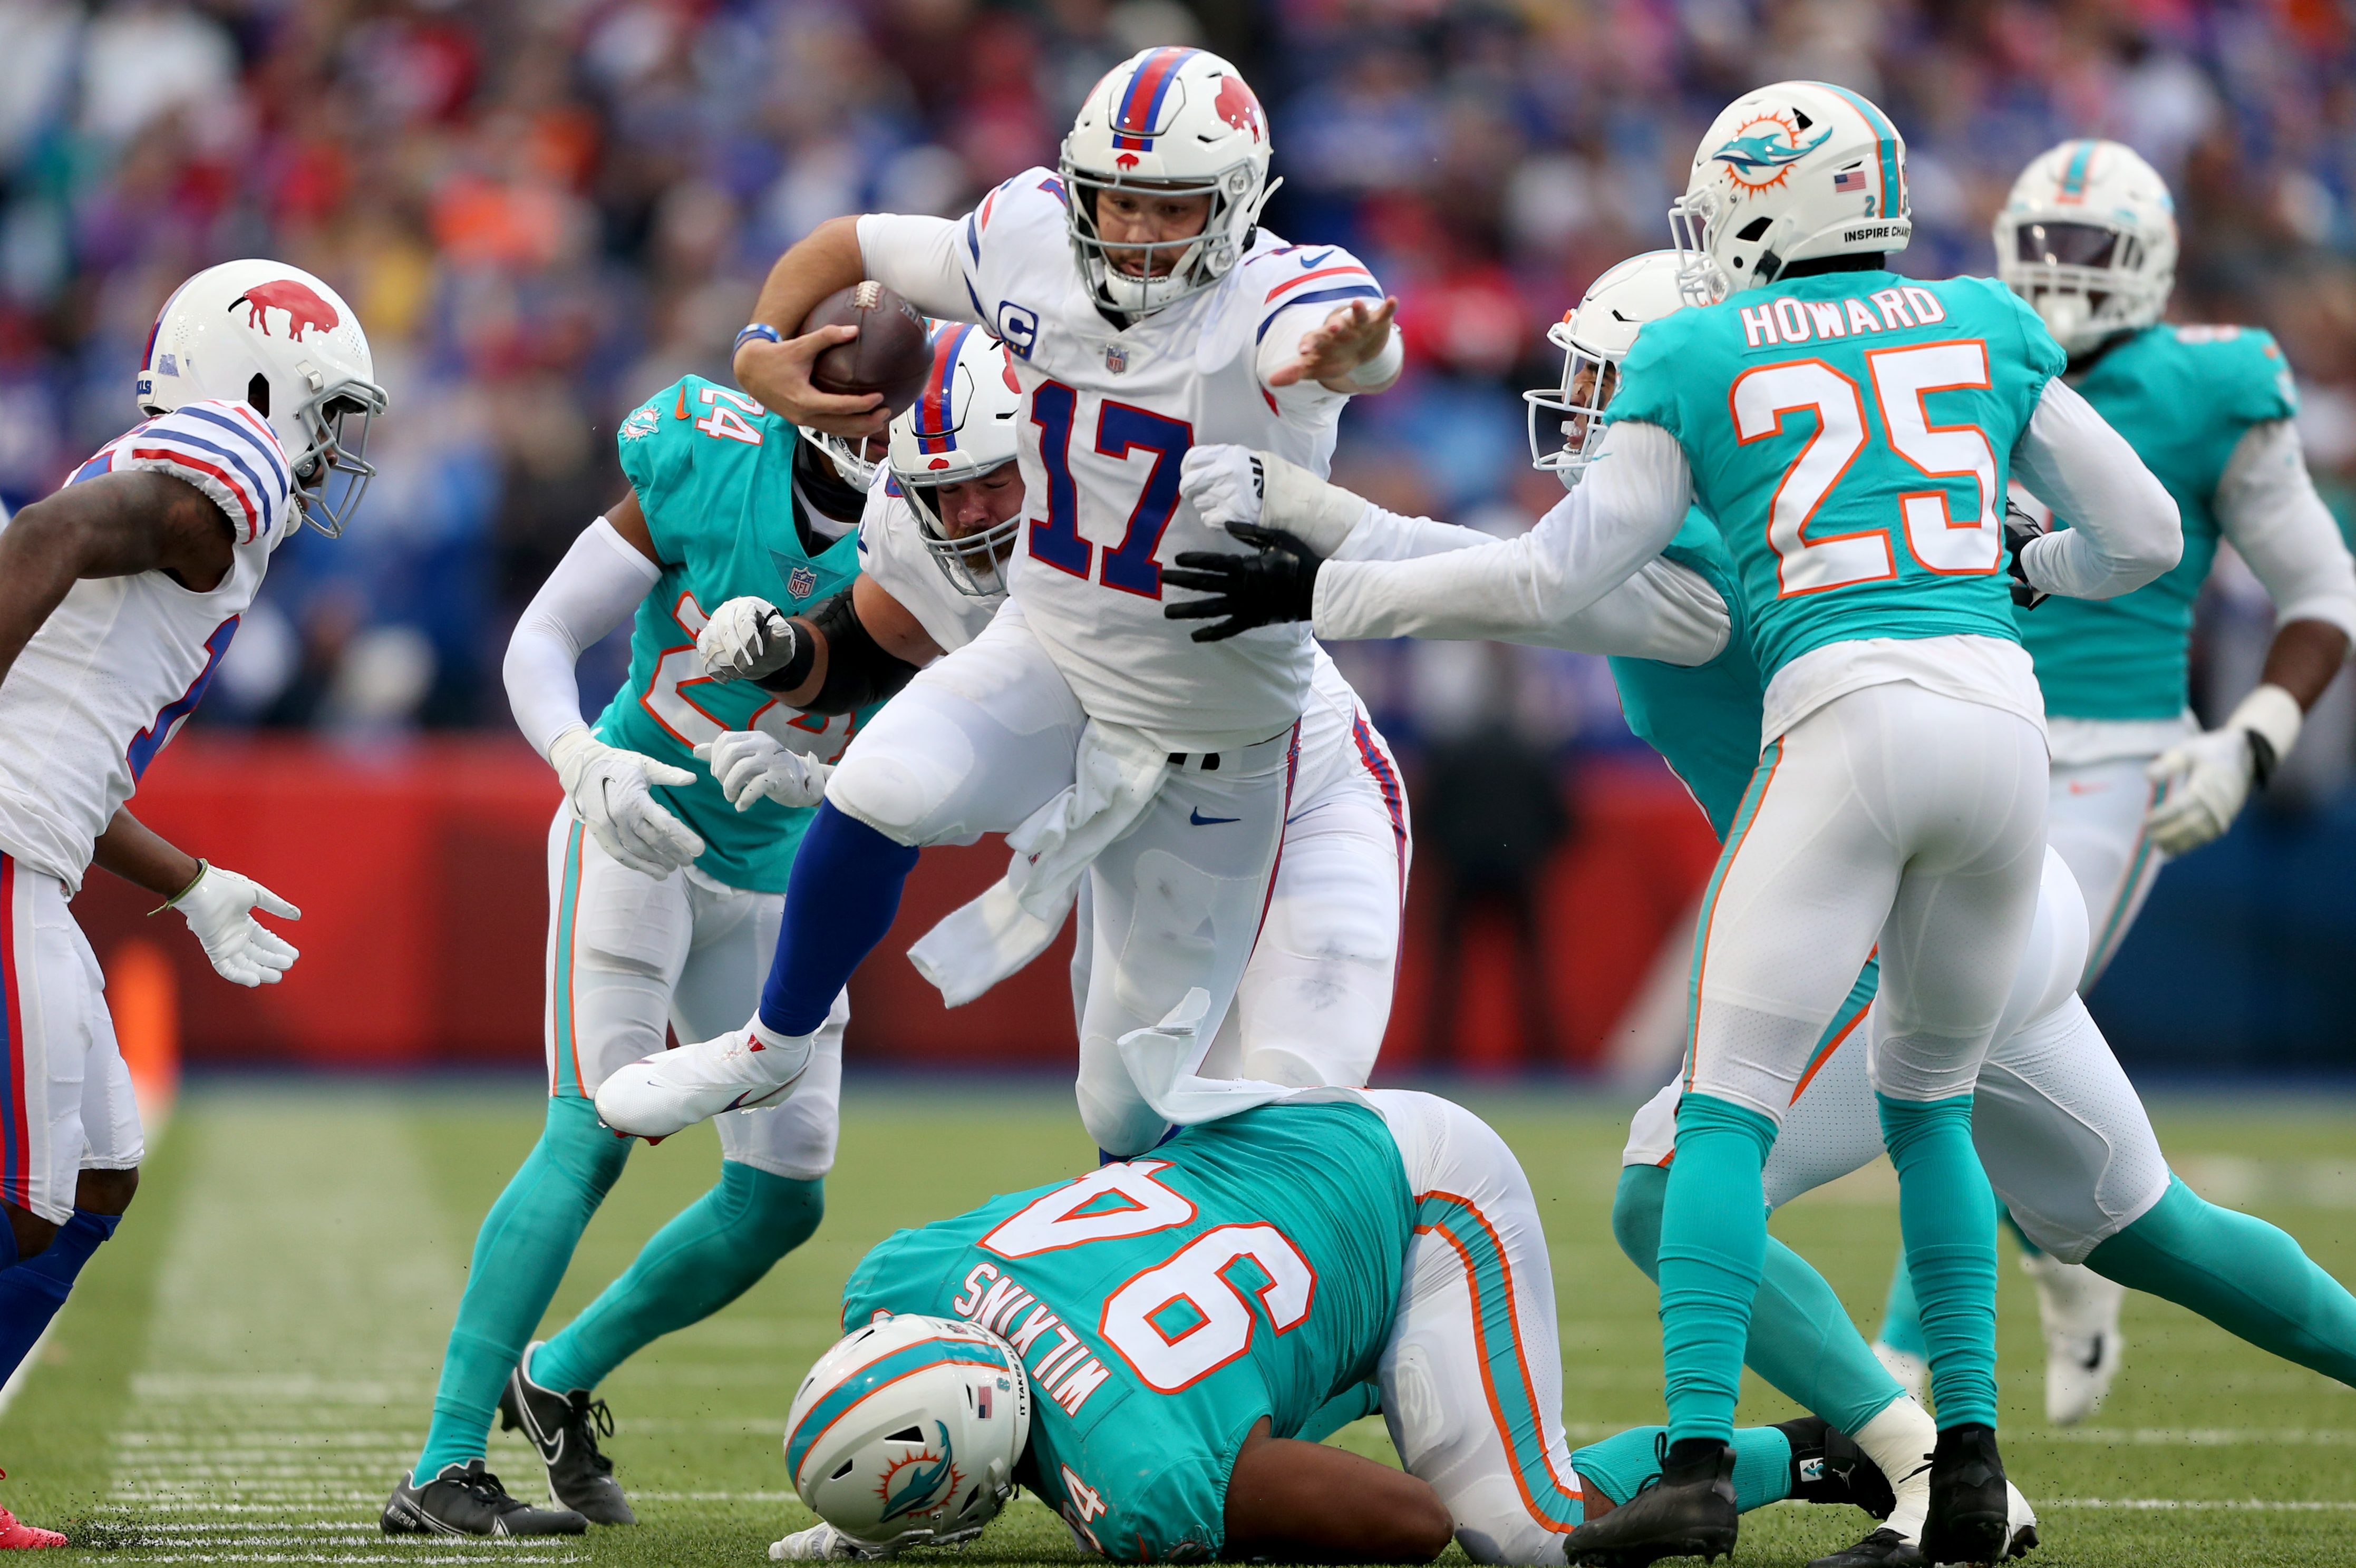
column 2273, row 713
column 1383, row 368
column 1298, row 501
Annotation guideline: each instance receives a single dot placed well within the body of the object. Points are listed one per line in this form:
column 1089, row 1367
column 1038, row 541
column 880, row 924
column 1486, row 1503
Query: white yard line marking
column 2196, row 1436
column 15, row 1383
column 2198, row 1505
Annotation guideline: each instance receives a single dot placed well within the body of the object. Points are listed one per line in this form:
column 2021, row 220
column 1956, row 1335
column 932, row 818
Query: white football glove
column 1231, row 484
column 745, row 639
column 2208, row 776
column 752, row 766
column 821, row 1542
column 219, row 907
column 609, row 789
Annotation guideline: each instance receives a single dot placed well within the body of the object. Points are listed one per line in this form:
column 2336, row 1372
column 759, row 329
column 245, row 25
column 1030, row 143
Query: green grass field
column 245, row 1370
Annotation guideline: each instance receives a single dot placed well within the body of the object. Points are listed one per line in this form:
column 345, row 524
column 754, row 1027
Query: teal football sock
column 520, row 1256
column 1350, row 1405
column 1902, row 1320
column 2241, row 1273
column 713, row 1252
column 1801, row 1338
column 1948, row 1216
column 1622, row 1464
column 1713, row 1245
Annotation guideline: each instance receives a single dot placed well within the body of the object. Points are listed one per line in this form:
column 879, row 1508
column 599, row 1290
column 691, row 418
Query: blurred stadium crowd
column 548, row 209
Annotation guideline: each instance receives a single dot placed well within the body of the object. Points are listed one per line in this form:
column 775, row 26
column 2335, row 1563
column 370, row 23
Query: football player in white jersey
column 940, row 524
column 119, row 594
column 1146, row 311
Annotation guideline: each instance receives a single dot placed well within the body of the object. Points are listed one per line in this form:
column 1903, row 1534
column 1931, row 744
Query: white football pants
column 1471, row 1377
column 66, row 1104
column 1315, row 997
column 2063, row 1137
column 2094, row 818
column 983, row 738
column 628, row 953
column 1890, row 816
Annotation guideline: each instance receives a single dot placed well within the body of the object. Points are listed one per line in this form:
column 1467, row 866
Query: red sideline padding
column 421, row 872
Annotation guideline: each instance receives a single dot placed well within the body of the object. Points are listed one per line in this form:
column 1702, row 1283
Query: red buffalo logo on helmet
column 1237, row 106
column 303, row 307
column 1126, row 161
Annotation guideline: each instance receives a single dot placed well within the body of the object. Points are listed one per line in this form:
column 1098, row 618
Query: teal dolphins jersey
column 714, row 473
column 2183, row 397
column 1851, row 435
column 1705, row 721
column 1248, row 1267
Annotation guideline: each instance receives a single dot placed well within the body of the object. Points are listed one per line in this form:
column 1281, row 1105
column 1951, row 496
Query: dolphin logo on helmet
column 1748, row 153
column 924, row 1482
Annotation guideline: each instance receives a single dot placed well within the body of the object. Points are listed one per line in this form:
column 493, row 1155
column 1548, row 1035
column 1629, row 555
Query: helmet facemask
column 973, row 562
column 1589, row 377
column 2086, row 280
column 1198, row 261
column 332, row 471
column 1700, row 279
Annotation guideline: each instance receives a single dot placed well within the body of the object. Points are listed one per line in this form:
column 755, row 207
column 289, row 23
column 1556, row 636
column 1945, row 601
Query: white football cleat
column 670, row 1091
column 821, row 1542
column 2020, row 1524
column 1912, row 1372
column 2080, row 1310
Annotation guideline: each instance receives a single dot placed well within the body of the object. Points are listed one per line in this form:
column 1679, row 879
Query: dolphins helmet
column 276, row 338
column 1167, row 122
column 1789, row 173
column 1594, row 338
column 961, row 426
column 2088, row 237
column 908, row 1431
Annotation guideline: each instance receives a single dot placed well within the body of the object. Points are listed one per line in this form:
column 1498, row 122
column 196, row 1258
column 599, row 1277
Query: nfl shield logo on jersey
column 800, row 582
column 1116, row 358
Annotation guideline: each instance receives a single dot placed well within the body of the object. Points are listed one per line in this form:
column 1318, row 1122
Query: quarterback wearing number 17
column 1146, row 311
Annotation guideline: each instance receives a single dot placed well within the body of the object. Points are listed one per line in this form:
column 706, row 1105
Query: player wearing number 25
column 1146, row 311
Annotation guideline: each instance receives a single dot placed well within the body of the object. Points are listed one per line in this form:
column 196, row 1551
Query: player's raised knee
column 901, row 799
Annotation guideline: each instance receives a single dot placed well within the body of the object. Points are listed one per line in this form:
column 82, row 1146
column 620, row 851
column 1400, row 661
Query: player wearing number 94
column 1850, row 432
column 1146, row 311
column 664, row 904
column 1156, row 1348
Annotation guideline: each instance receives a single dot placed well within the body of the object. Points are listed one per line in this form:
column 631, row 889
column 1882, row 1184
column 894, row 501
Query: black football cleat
column 1970, row 1519
column 563, row 1427
column 467, row 1500
column 1827, row 1467
column 1688, row 1510
column 1885, row 1548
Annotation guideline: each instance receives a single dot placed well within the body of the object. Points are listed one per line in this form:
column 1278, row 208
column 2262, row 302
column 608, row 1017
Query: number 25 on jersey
column 1940, row 541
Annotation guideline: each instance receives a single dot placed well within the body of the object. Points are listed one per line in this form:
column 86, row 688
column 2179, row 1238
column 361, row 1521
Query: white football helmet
column 1174, row 122
column 273, row 336
column 961, row 426
column 1788, row 172
column 2088, row 237
column 855, row 460
column 908, row 1431
column 1594, row 338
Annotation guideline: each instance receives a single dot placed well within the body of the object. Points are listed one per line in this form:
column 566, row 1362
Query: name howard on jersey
column 1067, row 1370
column 1787, row 321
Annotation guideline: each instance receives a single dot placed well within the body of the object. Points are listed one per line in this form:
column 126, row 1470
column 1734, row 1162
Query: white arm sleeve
column 916, row 258
column 1587, row 578
column 2124, row 529
column 593, row 590
column 2268, row 508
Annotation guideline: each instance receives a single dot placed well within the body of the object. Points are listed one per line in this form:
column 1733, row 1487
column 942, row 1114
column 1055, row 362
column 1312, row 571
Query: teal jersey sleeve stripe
column 1894, row 180
column 1552, row 1499
column 904, row 1362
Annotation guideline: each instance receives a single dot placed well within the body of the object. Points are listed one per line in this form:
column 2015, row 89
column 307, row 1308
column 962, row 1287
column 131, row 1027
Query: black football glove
column 1280, row 583
column 2019, row 528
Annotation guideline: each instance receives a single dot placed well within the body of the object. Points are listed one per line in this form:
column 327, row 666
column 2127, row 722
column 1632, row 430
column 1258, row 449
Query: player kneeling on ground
column 119, row 594
column 1155, row 1349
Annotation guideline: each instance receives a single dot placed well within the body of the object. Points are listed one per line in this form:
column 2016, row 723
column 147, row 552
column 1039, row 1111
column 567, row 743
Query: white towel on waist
column 1117, row 774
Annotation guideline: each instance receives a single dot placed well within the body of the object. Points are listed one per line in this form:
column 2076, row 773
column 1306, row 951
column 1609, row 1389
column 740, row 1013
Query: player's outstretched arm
column 2124, row 527
column 218, row 904
column 1304, row 1502
column 2267, row 504
column 1352, row 350
column 112, row 525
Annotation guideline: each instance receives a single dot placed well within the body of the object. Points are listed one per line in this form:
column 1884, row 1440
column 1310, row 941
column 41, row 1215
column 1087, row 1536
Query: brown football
column 891, row 355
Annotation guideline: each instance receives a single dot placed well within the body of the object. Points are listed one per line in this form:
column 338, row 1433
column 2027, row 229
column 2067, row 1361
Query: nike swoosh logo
column 1307, row 263
column 1199, row 820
